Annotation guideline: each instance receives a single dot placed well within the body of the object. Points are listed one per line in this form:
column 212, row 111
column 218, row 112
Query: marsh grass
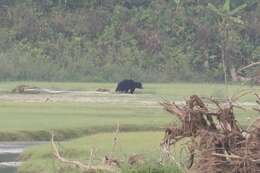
column 145, row 143
column 35, row 121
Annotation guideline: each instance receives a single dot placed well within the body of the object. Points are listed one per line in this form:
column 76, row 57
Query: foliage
column 158, row 40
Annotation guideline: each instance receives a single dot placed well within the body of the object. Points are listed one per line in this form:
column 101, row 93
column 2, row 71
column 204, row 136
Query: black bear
column 126, row 86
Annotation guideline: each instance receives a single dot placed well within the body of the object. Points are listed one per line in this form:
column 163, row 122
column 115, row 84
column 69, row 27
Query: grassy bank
column 40, row 159
column 34, row 121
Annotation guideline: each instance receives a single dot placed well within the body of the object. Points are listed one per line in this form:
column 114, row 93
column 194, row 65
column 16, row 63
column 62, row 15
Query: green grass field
column 34, row 121
column 30, row 117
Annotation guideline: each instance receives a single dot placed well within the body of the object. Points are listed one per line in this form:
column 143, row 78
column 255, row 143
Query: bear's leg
column 117, row 89
column 132, row 90
column 124, row 90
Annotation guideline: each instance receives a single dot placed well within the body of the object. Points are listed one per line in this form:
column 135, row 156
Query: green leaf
column 214, row 9
column 226, row 6
column 236, row 10
column 177, row 2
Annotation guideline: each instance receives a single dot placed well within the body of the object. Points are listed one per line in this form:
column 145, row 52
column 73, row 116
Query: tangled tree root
column 219, row 144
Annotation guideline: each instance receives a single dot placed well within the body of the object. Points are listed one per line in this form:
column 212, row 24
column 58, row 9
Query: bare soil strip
column 90, row 97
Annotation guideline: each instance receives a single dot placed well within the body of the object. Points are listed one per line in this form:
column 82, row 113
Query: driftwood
column 26, row 89
column 103, row 90
column 219, row 144
column 248, row 66
column 75, row 163
column 238, row 76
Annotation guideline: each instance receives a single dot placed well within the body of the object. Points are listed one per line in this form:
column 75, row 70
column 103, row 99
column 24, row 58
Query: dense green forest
column 108, row 40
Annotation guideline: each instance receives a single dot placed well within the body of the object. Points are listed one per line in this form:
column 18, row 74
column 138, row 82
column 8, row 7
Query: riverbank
column 40, row 158
column 10, row 153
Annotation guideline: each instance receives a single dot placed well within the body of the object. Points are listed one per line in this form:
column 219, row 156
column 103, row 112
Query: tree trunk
column 234, row 75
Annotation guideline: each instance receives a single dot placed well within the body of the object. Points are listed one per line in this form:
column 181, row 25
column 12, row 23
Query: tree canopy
column 148, row 40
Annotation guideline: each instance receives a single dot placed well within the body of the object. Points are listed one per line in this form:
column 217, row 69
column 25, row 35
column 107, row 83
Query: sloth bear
column 127, row 86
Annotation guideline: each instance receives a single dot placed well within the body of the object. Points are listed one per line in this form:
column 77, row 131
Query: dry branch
column 115, row 140
column 109, row 160
column 78, row 164
column 248, row 66
column 258, row 102
column 258, row 96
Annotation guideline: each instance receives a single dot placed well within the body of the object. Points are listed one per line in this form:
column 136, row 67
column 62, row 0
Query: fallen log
column 26, row 89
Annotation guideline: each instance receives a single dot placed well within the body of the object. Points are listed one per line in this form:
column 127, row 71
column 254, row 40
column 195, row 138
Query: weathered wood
column 78, row 164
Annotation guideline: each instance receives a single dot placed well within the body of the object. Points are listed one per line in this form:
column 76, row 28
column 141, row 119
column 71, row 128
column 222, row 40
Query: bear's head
column 138, row 85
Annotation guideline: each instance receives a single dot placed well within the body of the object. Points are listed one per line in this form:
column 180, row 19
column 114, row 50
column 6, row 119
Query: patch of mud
column 93, row 97
column 79, row 96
